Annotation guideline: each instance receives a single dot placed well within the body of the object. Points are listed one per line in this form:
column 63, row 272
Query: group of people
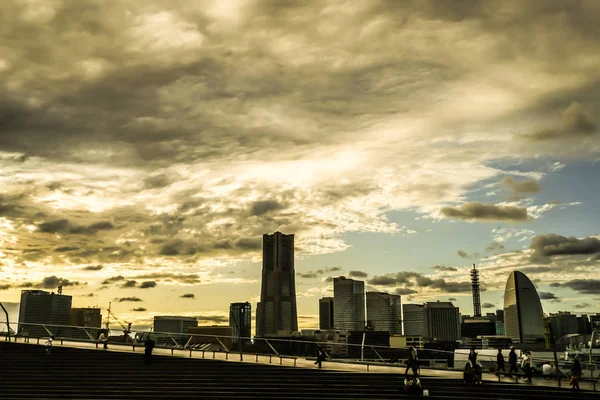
column 526, row 363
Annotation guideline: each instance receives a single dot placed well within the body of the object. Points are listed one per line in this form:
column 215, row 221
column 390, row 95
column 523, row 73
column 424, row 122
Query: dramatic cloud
column 406, row 277
column 317, row 273
column 476, row 211
column 357, row 274
column 64, row 226
column 521, row 187
column 549, row 245
column 188, row 296
column 93, row 268
column 584, row 286
column 129, row 284
column 132, row 299
column 547, row 296
column 404, row 291
column 575, row 123
column 487, row 305
column 50, row 282
column 443, row 268
column 113, row 279
column 147, row 285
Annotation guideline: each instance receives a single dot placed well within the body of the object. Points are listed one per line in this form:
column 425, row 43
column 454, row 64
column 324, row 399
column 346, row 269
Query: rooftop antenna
column 60, row 289
column 475, row 290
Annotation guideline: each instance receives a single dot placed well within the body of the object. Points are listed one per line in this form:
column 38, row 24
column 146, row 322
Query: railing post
column 191, row 353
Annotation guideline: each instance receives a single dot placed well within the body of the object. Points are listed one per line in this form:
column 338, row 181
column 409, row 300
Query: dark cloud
column 263, row 207
column 494, row 246
column 157, row 181
column 93, row 268
column 131, row 299
column 329, row 279
column 129, row 284
column 113, row 279
column 317, row 273
column 404, row 291
column 190, row 279
column 65, row 248
column 547, row 296
column 147, row 284
column 405, row 278
column 452, row 299
column 521, row 187
column 476, row 211
column 575, row 123
column 584, row 286
column 4, row 286
column 582, row 305
column 487, row 305
column 462, row 253
column 51, row 282
column 357, row 274
column 64, row 226
column 219, row 319
column 188, row 296
column 549, row 245
column 139, row 309
column 535, row 270
column 443, row 268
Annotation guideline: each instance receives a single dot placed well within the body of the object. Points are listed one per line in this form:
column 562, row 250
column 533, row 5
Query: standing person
column 104, row 340
column 321, row 356
column 575, row 374
column 413, row 362
column 526, row 365
column 148, row 346
column 512, row 361
column 500, row 361
column 49, row 346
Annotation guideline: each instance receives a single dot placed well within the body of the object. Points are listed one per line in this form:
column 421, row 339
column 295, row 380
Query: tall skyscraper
column 563, row 323
column 475, row 291
column 384, row 312
column 348, row 304
column 523, row 314
column 276, row 310
column 41, row 307
column 442, row 321
column 413, row 319
column 240, row 321
column 326, row 313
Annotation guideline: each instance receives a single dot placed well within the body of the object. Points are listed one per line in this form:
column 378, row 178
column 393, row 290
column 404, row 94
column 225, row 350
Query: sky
column 145, row 147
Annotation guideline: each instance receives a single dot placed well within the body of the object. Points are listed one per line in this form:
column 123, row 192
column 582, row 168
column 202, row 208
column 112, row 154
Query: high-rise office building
column 276, row 311
column 523, row 314
column 473, row 327
column 563, row 323
column 41, row 307
column 88, row 317
column 584, row 327
column 442, row 321
column 384, row 312
column 174, row 324
column 240, row 321
column 326, row 313
column 413, row 319
column 348, row 304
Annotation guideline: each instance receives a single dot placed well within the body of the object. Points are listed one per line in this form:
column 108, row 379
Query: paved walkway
column 302, row 362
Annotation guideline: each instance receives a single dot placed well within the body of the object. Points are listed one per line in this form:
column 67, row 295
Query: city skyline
column 146, row 148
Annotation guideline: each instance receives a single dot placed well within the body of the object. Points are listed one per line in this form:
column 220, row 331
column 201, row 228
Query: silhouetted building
column 348, row 304
column 384, row 312
column 41, row 307
column 326, row 313
column 413, row 319
column 240, row 321
column 89, row 318
column 218, row 336
column 563, row 323
column 173, row 324
column 442, row 321
column 473, row 327
column 523, row 312
column 595, row 321
column 584, row 327
column 276, row 310
column 356, row 340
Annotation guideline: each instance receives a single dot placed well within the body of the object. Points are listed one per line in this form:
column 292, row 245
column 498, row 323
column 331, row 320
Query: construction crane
column 126, row 329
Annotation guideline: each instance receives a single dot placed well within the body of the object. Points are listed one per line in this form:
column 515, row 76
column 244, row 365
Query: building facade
column 326, row 313
column 384, row 312
column 276, row 311
column 41, row 307
column 442, row 321
column 348, row 304
column 240, row 321
column 563, row 323
column 523, row 314
column 413, row 319
column 174, row 324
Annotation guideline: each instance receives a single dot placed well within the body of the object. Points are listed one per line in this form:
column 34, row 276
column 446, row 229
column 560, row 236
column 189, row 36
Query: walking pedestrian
column 512, row 361
column 500, row 361
column 413, row 362
column 321, row 356
column 575, row 374
column 526, row 365
column 49, row 346
column 148, row 346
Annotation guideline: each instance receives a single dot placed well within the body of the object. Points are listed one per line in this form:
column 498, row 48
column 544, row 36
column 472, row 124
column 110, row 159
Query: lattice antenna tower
column 475, row 290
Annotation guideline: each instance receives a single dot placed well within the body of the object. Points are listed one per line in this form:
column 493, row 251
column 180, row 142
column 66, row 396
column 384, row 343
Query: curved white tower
column 523, row 314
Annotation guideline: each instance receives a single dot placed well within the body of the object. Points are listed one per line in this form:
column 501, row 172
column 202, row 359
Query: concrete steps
column 69, row 373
